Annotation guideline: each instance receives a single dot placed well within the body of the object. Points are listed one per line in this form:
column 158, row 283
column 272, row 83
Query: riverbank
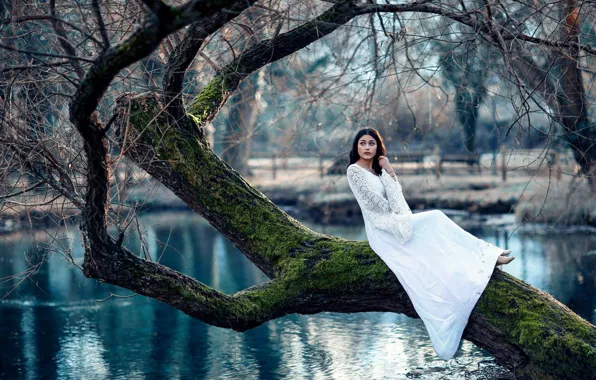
column 307, row 196
column 538, row 199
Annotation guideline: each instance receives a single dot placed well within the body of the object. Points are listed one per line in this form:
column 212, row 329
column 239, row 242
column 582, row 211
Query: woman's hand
column 384, row 162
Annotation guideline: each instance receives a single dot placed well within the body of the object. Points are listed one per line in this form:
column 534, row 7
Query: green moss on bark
column 241, row 210
column 545, row 329
column 305, row 262
column 204, row 106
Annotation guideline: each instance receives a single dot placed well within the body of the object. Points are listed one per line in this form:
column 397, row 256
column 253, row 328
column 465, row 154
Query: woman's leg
column 437, row 219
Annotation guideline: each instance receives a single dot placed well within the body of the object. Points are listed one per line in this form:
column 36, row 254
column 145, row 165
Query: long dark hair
column 354, row 156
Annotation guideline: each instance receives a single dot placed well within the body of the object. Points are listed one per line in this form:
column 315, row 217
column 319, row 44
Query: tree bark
column 579, row 130
column 526, row 330
column 183, row 55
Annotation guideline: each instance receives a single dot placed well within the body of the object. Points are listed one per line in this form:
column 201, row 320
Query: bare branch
column 26, row 190
column 33, row 67
column 139, row 45
column 185, row 52
column 66, row 45
column 100, row 24
column 204, row 106
column 34, row 53
column 52, row 19
column 466, row 19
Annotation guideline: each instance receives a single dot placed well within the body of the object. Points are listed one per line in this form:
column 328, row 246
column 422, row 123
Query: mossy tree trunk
column 526, row 330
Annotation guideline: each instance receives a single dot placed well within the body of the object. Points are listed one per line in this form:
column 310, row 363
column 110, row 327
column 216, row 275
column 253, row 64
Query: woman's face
column 367, row 147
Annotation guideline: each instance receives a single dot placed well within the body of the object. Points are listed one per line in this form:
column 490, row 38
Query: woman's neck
column 367, row 164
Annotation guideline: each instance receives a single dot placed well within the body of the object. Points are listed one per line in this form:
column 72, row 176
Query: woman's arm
column 397, row 202
column 377, row 209
column 365, row 196
column 393, row 189
column 399, row 225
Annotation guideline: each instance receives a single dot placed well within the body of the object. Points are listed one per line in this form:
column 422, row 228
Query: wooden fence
column 429, row 162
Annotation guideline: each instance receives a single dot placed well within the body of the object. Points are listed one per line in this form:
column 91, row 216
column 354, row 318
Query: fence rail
column 429, row 162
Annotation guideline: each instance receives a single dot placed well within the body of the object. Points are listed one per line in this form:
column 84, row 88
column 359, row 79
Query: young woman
column 443, row 268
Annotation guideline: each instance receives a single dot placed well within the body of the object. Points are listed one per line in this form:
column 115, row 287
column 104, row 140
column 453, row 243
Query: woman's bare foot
column 504, row 260
column 505, row 252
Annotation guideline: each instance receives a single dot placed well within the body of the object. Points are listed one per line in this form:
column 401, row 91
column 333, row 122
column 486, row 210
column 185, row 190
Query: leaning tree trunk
column 579, row 130
column 527, row 331
column 565, row 94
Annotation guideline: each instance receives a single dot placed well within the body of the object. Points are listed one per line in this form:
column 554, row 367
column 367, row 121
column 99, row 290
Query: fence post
column 437, row 153
column 321, row 165
column 284, row 160
column 273, row 165
column 493, row 164
column 554, row 165
column 503, row 163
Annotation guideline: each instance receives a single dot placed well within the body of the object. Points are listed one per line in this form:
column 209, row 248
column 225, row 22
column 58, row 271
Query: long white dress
column 443, row 268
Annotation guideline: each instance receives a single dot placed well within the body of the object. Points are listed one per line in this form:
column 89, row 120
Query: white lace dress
column 443, row 268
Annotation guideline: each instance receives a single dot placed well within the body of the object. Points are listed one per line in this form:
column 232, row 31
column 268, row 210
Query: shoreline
column 329, row 200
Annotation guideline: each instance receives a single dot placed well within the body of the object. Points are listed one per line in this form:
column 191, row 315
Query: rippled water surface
column 58, row 324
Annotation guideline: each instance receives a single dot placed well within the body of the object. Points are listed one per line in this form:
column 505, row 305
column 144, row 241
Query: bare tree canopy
column 145, row 80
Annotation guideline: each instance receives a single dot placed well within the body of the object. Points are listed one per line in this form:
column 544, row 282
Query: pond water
column 58, row 324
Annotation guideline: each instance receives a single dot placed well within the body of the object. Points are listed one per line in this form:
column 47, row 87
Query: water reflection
column 59, row 324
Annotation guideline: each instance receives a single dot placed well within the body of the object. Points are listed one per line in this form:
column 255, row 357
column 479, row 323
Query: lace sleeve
column 399, row 225
column 376, row 209
column 397, row 202
column 364, row 195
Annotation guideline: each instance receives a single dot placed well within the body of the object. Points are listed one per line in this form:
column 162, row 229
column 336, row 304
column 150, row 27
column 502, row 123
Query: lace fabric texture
column 443, row 268
column 385, row 208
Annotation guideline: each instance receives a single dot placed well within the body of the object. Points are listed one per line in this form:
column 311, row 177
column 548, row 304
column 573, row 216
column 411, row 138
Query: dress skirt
column 444, row 270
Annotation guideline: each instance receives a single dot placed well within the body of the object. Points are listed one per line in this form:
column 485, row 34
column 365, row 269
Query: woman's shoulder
column 355, row 168
column 352, row 167
column 356, row 172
